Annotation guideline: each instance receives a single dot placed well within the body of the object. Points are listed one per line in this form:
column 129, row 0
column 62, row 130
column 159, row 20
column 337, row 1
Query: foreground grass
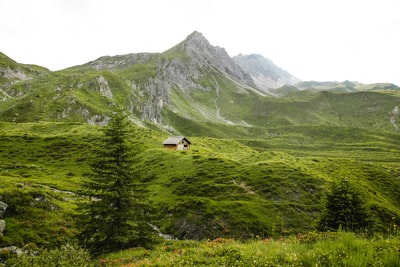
column 334, row 249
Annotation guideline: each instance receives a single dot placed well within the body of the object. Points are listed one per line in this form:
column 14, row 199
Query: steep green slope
column 368, row 110
column 221, row 187
column 228, row 181
column 40, row 168
column 64, row 97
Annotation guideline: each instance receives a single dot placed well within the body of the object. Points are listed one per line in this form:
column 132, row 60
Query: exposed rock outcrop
column 393, row 117
column 3, row 207
column 155, row 93
column 2, row 226
column 103, row 87
column 266, row 75
column 13, row 75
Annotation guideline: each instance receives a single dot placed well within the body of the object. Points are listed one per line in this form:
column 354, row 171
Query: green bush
column 66, row 255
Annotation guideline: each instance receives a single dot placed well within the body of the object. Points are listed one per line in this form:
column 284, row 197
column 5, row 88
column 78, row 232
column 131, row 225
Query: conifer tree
column 344, row 208
column 117, row 216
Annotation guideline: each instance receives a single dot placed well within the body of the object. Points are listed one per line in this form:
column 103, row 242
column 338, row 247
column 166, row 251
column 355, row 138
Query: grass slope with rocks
column 228, row 187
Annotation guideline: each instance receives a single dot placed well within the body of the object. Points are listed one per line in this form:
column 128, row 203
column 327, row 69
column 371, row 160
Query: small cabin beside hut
column 177, row 143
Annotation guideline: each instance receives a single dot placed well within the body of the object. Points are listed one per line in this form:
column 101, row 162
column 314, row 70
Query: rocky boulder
column 3, row 207
column 2, row 226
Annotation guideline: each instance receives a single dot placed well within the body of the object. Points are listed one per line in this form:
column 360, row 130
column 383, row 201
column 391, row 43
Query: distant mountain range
column 192, row 81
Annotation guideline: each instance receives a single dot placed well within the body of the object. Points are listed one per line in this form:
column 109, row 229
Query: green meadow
column 311, row 249
column 238, row 188
column 333, row 249
column 249, row 191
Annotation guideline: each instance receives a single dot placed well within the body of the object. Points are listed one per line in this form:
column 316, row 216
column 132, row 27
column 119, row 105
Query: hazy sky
column 323, row 40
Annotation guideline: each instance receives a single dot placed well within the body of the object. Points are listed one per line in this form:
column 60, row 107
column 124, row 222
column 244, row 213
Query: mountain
column 266, row 75
column 202, row 54
column 191, row 68
column 193, row 83
column 261, row 156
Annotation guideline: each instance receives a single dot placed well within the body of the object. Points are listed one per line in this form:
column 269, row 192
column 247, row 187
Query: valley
column 261, row 158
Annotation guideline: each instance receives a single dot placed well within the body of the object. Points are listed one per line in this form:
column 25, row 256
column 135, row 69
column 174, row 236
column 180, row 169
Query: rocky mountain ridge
column 203, row 54
column 180, row 67
column 266, row 75
column 197, row 53
column 192, row 81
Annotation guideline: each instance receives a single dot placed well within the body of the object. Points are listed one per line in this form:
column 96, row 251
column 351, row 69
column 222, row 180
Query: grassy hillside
column 226, row 187
column 258, row 165
column 358, row 110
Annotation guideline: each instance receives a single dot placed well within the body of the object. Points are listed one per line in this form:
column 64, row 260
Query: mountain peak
column 196, row 43
column 205, row 55
column 195, row 35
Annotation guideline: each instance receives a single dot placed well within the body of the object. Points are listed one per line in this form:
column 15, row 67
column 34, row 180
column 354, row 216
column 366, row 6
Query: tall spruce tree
column 344, row 208
column 117, row 214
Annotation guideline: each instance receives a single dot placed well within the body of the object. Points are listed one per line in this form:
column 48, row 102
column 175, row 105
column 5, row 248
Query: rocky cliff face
column 3, row 207
column 206, row 56
column 266, row 75
column 179, row 67
column 144, row 82
column 9, row 77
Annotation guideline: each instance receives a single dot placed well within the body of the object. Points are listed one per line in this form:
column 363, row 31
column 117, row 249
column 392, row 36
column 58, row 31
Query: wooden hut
column 177, row 143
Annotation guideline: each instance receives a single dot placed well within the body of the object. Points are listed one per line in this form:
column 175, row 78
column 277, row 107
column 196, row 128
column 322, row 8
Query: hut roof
column 173, row 140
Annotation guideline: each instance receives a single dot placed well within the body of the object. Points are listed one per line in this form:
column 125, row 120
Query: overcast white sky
column 323, row 40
